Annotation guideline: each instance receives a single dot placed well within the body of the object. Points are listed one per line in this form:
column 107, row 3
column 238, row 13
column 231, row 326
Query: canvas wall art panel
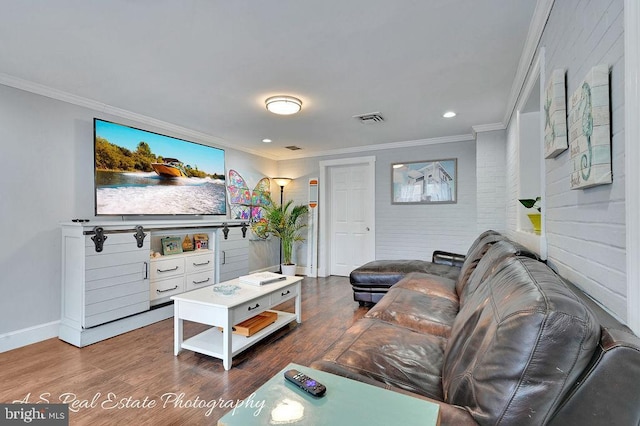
column 589, row 131
column 555, row 112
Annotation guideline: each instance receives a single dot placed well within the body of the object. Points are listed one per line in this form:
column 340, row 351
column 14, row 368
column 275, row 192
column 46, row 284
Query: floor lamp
column 282, row 182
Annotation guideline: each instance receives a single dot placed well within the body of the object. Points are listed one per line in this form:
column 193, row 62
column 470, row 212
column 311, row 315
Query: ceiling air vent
column 293, row 147
column 372, row 117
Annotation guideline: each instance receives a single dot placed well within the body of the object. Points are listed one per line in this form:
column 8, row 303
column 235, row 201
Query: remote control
column 305, row 383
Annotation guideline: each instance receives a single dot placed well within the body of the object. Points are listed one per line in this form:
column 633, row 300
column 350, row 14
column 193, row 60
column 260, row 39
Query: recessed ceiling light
column 449, row 114
column 283, row 105
column 266, row 140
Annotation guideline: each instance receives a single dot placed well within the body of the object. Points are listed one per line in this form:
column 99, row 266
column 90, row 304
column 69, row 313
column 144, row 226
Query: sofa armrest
column 447, row 258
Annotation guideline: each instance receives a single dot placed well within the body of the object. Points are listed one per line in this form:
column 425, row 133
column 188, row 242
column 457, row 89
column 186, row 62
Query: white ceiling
column 208, row 65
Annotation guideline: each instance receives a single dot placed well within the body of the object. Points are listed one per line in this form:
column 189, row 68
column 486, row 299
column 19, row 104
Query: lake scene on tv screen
column 144, row 173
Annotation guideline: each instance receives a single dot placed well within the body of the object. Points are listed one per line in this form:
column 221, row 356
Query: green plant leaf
column 285, row 222
column 531, row 203
column 528, row 203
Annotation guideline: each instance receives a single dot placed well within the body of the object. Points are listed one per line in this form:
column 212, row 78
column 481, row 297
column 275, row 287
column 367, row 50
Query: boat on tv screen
column 138, row 172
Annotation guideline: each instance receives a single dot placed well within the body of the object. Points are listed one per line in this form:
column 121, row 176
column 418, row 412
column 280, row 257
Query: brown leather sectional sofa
column 507, row 341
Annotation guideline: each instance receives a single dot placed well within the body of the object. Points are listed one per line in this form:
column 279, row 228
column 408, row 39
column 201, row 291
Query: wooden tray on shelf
column 252, row 325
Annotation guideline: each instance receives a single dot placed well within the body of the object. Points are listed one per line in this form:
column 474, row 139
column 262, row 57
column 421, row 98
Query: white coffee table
column 208, row 305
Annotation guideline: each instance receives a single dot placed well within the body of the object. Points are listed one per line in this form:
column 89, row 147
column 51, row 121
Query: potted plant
column 285, row 222
column 533, row 203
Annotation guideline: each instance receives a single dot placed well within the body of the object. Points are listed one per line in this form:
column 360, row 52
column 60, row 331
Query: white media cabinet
column 111, row 284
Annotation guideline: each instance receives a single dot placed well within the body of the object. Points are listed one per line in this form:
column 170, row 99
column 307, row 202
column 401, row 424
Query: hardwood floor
column 135, row 378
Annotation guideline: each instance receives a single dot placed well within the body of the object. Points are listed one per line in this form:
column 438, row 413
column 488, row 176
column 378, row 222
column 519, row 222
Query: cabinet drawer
column 199, row 262
column 167, row 268
column 250, row 309
column 284, row 294
column 164, row 288
column 199, row 279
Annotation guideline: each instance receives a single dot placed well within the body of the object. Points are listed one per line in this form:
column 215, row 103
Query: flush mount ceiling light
column 266, row 140
column 449, row 114
column 283, row 105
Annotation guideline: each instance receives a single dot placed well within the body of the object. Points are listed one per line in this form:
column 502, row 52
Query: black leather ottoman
column 372, row 280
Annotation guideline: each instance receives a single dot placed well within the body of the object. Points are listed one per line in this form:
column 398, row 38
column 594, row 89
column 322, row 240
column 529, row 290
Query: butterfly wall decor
column 245, row 203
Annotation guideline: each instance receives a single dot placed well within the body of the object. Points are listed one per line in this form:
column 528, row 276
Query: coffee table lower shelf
column 209, row 342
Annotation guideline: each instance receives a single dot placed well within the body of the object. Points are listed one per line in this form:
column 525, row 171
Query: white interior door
column 351, row 224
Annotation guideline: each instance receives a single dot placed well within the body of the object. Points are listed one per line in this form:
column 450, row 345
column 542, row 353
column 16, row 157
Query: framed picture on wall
column 424, row 182
column 555, row 115
column 589, row 130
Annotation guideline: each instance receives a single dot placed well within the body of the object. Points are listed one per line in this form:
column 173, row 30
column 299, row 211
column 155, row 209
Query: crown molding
column 379, row 147
column 40, row 89
column 536, row 28
column 101, row 107
column 487, row 128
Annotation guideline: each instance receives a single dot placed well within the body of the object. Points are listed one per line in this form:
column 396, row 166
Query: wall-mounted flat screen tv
column 138, row 172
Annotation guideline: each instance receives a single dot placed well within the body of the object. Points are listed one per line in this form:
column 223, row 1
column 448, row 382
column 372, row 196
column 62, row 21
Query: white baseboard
column 81, row 337
column 273, row 268
column 300, row 270
column 26, row 336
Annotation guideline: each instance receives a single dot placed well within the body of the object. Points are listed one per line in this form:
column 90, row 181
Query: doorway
column 347, row 215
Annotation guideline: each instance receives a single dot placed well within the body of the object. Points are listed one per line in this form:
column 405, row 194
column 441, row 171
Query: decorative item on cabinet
column 187, row 244
column 171, row 245
column 201, row 241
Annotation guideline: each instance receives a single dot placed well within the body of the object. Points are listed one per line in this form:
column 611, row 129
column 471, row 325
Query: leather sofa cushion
column 474, row 255
column 490, row 261
column 596, row 398
column 389, row 272
column 429, row 284
column 517, row 345
column 481, row 237
column 390, row 354
column 425, row 310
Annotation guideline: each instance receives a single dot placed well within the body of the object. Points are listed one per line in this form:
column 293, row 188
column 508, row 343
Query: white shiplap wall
column 585, row 228
column 415, row 231
column 491, row 180
column 512, row 175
